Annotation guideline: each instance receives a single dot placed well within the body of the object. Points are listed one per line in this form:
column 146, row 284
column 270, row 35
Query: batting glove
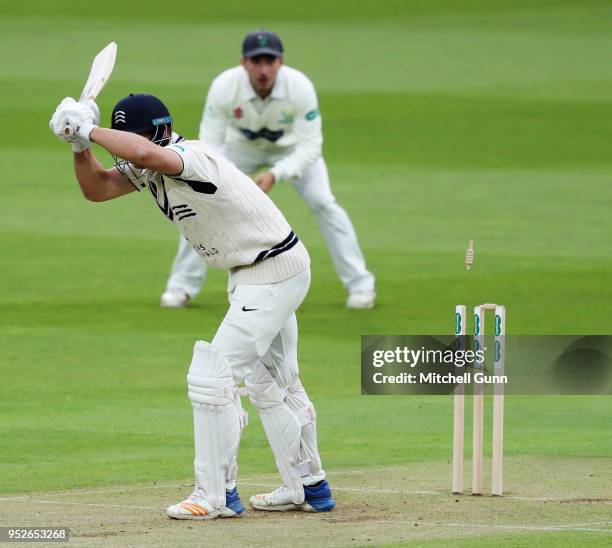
column 73, row 121
column 94, row 109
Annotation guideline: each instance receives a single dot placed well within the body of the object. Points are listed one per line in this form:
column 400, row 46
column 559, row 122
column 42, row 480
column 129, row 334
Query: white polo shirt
column 287, row 123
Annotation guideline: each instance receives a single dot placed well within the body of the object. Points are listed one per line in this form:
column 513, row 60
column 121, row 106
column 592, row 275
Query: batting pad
column 298, row 401
column 283, row 429
column 217, row 420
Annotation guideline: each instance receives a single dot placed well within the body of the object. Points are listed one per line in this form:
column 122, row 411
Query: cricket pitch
column 548, row 501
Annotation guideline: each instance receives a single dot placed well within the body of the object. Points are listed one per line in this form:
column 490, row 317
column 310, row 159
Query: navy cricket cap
column 143, row 114
column 262, row 42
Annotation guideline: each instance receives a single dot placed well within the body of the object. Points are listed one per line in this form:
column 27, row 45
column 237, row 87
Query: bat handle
column 69, row 131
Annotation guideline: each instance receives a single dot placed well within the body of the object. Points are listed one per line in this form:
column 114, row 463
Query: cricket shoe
column 174, row 298
column 197, row 507
column 361, row 300
column 317, row 498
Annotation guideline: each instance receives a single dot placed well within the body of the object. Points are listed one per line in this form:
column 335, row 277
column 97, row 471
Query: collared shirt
column 285, row 124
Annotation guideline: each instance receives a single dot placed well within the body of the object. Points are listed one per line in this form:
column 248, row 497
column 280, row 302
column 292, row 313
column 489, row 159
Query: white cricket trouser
column 265, row 330
column 260, row 330
column 189, row 270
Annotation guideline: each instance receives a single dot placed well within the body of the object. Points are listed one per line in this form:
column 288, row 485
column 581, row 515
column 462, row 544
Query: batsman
column 232, row 224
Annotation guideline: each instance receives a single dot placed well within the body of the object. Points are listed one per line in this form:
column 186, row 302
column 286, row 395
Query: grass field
column 443, row 121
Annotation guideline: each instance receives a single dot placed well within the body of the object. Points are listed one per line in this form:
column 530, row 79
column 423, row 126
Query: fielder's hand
column 265, row 181
column 73, row 121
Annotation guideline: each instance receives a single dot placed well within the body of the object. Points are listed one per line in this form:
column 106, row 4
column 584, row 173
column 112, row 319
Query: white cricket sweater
column 229, row 221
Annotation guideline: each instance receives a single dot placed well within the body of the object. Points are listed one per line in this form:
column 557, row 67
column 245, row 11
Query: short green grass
column 443, row 120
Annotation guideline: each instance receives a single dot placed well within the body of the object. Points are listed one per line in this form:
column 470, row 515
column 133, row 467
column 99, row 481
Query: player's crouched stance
column 233, row 225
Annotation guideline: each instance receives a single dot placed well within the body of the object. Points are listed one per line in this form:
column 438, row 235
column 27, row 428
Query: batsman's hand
column 73, row 121
column 95, row 110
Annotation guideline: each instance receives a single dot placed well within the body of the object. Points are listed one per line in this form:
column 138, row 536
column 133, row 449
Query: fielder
column 232, row 224
column 263, row 113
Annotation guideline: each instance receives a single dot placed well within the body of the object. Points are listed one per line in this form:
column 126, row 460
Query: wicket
column 478, row 405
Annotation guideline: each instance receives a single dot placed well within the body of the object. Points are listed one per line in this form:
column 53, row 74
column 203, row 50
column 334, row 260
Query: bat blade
column 101, row 70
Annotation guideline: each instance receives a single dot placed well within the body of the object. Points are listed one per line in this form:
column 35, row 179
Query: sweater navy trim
column 285, row 245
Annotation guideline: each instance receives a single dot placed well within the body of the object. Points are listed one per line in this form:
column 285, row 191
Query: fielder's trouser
column 188, row 269
column 256, row 343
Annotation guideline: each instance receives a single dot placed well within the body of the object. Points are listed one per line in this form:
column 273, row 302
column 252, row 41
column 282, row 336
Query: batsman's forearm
column 94, row 180
column 127, row 146
column 88, row 170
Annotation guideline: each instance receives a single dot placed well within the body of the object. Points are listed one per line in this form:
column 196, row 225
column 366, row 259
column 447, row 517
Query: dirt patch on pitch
column 387, row 505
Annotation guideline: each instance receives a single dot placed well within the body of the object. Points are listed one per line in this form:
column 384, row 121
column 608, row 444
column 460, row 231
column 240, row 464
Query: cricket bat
column 101, row 70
